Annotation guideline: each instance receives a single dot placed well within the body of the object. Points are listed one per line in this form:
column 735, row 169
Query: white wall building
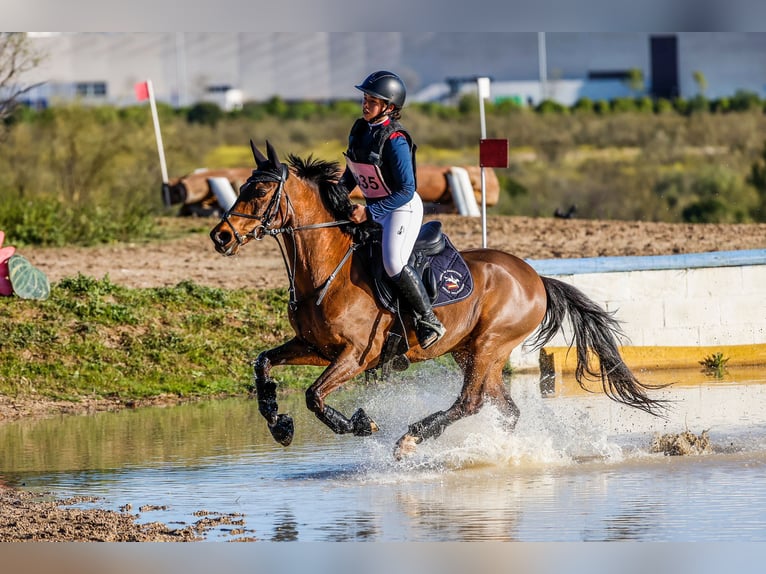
column 186, row 67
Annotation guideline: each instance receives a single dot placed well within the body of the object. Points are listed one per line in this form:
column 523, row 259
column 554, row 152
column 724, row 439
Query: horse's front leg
column 336, row 374
column 293, row 352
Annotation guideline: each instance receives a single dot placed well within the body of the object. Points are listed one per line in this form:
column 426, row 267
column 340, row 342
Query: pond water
column 578, row 467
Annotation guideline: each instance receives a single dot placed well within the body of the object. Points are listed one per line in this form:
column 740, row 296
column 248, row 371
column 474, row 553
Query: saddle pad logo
column 451, row 282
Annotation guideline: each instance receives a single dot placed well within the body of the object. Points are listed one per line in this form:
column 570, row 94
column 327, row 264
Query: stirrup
column 429, row 333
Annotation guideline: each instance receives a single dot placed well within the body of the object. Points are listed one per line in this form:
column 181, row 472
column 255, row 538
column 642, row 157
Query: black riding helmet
column 386, row 86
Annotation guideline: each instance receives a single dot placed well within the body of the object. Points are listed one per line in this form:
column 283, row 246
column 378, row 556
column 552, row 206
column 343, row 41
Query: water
column 578, row 467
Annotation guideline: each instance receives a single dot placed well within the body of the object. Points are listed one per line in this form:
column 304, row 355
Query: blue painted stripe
column 648, row 262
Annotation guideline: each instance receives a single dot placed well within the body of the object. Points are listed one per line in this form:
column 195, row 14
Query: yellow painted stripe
column 677, row 366
column 659, row 358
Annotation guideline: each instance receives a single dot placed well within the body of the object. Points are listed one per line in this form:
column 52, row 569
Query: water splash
column 548, row 433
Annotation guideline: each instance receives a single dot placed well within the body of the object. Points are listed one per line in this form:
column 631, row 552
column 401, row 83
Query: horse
column 340, row 323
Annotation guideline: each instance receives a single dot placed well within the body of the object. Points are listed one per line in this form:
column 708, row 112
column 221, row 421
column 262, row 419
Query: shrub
column 48, row 222
column 698, row 104
column 681, row 106
column 644, row 104
column 550, row 107
column 744, row 100
column 621, row 105
column 205, row 113
column 719, row 196
column 602, row 107
column 584, row 105
column 721, row 105
column 663, row 106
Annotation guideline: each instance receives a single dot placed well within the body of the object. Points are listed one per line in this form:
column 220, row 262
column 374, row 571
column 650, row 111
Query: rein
column 269, row 214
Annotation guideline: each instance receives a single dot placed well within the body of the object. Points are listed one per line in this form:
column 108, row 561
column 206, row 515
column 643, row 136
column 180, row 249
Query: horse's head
column 257, row 208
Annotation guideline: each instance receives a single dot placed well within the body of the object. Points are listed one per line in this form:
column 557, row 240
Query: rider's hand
column 358, row 214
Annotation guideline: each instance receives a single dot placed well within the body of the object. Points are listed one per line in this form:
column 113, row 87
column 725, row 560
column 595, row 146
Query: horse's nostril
column 223, row 237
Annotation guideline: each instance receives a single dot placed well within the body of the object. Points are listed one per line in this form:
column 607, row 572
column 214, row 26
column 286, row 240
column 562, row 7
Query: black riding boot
column 428, row 328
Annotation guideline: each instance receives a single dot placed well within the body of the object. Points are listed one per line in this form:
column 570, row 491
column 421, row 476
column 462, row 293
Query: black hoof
column 283, row 430
column 400, row 363
column 362, row 424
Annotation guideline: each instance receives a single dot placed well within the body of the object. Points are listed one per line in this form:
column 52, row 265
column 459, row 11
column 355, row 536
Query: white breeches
column 400, row 230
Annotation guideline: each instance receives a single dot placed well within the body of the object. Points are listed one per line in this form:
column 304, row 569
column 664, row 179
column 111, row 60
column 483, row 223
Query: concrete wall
column 696, row 301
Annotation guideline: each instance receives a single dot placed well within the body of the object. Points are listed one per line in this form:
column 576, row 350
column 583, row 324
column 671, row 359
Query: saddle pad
column 449, row 269
column 453, row 279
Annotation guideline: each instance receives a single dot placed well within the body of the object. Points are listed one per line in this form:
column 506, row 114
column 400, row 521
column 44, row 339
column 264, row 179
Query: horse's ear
column 273, row 155
column 259, row 157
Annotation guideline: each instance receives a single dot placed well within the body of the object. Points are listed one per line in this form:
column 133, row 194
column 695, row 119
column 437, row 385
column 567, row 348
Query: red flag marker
column 142, row 91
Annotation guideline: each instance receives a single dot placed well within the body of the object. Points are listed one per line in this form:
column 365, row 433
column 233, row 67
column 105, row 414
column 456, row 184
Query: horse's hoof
column 405, row 446
column 363, row 425
column 400, row 363
column 283, row 430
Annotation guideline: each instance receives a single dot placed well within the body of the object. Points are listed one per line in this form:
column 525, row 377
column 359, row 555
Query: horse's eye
column 254, row 188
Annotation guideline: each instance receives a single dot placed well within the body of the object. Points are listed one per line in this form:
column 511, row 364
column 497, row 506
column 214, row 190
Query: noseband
column 269, row 213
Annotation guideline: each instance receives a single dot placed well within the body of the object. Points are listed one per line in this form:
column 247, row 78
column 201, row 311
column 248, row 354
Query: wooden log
column 433, row 186
column 193, row 187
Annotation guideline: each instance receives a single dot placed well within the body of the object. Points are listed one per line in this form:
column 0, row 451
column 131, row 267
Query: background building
column 187, row 67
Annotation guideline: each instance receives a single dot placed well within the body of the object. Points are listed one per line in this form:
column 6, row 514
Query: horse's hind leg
column 469, row 402
column 506, row 405
column 483, row 380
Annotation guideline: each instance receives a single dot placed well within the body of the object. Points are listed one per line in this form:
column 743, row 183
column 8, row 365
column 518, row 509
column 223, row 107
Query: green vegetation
column 92, row 338
column 715, row 365
column 81, row 175
column 87, row 175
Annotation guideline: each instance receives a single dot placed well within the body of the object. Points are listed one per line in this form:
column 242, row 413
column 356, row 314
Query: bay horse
column 340, row 324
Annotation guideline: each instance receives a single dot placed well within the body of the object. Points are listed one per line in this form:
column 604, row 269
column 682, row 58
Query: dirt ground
column 24, row 516
column 259, row 265
column 28, row 517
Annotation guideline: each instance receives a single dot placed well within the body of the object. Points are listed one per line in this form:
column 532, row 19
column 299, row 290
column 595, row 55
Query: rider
column 381, row 160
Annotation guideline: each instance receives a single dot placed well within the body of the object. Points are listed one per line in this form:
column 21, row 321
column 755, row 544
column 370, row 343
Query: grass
column 715, row 365
column 95, row 339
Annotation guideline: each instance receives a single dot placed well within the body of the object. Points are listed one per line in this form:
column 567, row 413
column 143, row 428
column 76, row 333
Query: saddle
column 430, row 242
column 443, row 271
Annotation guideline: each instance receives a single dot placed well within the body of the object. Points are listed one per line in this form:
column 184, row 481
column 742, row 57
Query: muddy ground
column 24, row 516
column 259, row 265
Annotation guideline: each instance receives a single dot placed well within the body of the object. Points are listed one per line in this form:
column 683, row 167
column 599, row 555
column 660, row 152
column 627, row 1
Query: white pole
column 483, row 85
column 157, row 133
column 543, row 64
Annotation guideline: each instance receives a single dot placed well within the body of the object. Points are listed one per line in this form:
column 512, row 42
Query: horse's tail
column 595, row 331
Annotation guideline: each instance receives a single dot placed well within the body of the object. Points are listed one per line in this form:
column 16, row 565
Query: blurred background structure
column 231, row 68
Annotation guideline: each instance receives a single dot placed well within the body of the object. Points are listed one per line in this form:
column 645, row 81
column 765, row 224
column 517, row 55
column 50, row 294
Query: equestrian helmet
column 386, row 86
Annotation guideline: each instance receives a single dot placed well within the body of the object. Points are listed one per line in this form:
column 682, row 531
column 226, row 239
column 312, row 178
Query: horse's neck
column 318, row 253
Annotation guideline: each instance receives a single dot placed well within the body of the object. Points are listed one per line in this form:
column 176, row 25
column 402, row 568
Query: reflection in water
column 186, row 435
column 285, row 528
column 575, row 468
column 357, row 526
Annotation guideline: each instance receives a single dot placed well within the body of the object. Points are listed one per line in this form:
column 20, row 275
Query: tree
column 699, row 102
column 17, row 56
column 635, row 81
column 205, row 113
column 701, row 81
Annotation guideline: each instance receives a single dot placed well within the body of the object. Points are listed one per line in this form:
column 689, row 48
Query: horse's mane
column 325, row 175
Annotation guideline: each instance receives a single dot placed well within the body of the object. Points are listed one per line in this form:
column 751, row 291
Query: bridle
column 269, row 213
column 267, row 218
